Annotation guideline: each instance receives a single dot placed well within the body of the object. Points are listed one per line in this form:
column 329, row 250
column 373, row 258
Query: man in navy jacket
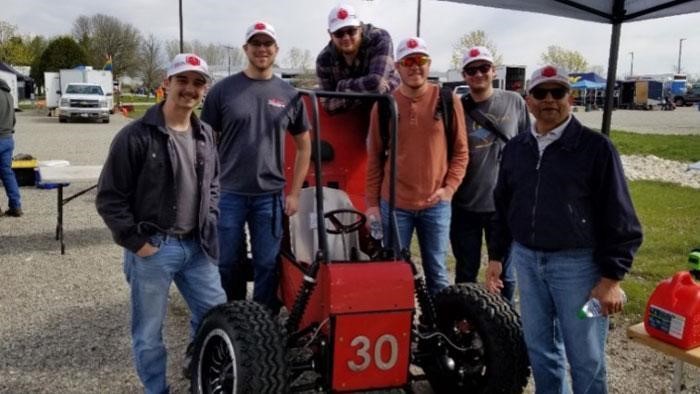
column 564, row 208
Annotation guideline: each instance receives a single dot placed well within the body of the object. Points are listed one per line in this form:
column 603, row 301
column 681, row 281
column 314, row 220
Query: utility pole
column 632, row 63
column 418, row 20
column 228, row 50
column 182, row 45
column 680, row 51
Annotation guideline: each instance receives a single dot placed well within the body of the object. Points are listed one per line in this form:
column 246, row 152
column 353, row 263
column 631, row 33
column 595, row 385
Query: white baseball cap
column 477, row 53
column 260, row 27
column 184, row 62
column 409, row 46
column 342, row 15
column 549, row 74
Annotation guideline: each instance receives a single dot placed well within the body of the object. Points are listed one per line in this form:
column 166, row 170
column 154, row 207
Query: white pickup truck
column 83, row 101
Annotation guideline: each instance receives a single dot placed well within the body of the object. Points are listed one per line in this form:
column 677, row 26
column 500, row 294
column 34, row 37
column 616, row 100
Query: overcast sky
column 520, row 37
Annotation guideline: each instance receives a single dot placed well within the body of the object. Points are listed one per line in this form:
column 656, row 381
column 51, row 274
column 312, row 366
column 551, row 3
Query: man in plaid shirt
column 359, row 58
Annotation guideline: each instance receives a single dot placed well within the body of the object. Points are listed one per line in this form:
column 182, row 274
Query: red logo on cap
column 342, row 14
column 412, row 43
column 549, row 71
column 193, row 60
column 474, row 53
column 259, row 26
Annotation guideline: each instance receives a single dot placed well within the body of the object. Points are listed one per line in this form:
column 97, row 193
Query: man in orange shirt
column 427, row 174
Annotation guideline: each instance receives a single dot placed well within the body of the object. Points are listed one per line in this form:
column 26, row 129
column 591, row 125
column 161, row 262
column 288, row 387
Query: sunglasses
column 541, row 93
column 257, row 44
column 351, row 31
column 414, row 61
column 471, row 71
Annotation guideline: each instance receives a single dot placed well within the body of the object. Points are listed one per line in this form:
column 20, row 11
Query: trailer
column 510, row 77
column 11, row 80
column 641, row 94
column 52, row 87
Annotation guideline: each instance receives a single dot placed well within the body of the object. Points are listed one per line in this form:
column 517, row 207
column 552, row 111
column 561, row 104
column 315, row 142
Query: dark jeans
column 467, row 230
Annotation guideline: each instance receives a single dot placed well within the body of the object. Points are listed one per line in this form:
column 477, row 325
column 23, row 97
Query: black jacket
column 136, row 194
column 575, row 196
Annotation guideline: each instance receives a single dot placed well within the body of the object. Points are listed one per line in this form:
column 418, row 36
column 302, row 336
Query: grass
column 684, row 148
column 132, row 98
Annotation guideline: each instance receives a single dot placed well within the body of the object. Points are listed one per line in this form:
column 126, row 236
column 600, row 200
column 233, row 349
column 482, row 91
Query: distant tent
column 587, row 85
column 25, row 83
column 593, row 77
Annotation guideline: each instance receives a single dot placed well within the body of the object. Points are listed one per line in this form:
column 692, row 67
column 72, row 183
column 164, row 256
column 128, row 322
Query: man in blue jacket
column 564, row 208
column 158, row 194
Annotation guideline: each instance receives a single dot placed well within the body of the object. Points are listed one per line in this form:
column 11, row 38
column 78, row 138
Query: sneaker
column 14, row 212
column 187, row 364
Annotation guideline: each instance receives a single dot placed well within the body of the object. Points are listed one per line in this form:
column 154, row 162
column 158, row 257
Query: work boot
column 14, row 212
column 187, row 364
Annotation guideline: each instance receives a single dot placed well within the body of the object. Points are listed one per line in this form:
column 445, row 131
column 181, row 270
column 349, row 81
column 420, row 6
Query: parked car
column 83, row 101
column 691, row 97
column 461, row 90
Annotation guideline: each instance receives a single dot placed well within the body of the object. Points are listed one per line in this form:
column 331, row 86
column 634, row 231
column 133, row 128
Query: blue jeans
column 432, row 226
column 264, row 217
column 466, row 231
column 197, row 279
column 553, row 287
column 7, row 145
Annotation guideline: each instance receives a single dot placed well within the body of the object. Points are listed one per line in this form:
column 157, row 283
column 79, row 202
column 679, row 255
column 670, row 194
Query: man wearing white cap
column 250, row 112
column 493, row 116
column 431, row 162
column 359, row 58
column 565, row 211
column 158, row 194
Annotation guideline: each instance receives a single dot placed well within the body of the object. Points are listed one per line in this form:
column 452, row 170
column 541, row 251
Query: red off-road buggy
column 359, row 316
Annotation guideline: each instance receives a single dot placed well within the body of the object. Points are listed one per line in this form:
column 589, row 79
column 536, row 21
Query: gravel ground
column 66, row 317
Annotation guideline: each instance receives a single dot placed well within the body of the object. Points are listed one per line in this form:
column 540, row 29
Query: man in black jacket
column 158, row 194
column 564, row 207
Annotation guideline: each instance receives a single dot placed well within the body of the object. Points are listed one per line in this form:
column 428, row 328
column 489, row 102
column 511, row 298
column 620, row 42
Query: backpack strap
column 479, row 117
column 445, row 107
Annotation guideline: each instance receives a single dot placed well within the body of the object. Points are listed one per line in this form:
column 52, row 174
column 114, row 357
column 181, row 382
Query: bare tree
column 151, row 69
column 570, row 60
column 299, row 59
column 102, row 36
column 473, row 39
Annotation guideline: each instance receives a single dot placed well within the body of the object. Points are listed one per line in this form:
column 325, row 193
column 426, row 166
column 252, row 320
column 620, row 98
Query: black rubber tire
column 472, row 317
column 239, row 345
column 63, row 120
column 105, row 120
column 679, row 102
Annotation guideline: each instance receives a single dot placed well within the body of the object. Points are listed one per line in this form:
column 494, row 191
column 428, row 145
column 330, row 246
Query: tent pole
column 618, row 14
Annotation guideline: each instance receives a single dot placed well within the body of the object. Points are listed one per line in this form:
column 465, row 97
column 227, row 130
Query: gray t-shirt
column 252, row 116
column 507, row 110
column 185, row 181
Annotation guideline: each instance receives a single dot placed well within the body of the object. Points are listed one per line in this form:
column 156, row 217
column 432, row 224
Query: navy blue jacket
column 136, row 194
column 575, row 196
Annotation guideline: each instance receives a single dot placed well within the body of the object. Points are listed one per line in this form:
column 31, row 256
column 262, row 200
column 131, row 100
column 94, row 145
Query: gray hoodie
column 7, row 111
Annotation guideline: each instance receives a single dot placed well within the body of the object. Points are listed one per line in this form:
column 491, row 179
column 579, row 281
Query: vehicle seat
column 303, row 233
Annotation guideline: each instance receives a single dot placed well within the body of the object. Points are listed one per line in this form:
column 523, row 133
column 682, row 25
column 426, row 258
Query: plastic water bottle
column 592, row 307
column 375, row 228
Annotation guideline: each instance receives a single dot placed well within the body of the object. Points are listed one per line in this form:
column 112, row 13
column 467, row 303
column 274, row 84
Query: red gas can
column 673, row 311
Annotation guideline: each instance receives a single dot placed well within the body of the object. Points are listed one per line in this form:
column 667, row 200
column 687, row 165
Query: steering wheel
column 343, row 228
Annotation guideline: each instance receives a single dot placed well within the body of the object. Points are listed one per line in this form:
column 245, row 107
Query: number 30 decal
column 363, row 352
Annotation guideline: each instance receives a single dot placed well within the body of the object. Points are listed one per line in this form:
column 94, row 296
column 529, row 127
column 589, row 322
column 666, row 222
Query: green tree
column 62, row 52
column 473, row 39
column 572, row 61
column 102, row 36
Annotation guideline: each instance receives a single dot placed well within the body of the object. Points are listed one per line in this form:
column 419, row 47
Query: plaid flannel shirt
column 372, row 70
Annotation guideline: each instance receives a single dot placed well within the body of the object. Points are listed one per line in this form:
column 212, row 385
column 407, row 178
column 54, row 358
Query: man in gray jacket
column 7, row 145
column 158, row 193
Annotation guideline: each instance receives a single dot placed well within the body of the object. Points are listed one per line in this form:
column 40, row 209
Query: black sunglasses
column 471, row 71
column 541, row 93
column 351, row 31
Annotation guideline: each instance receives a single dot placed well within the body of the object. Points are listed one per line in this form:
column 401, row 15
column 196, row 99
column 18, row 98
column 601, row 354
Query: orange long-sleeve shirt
column 422, row 158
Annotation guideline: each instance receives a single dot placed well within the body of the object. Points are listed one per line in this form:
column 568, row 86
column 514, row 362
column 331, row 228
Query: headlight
column 65, row 102
column 103, row 104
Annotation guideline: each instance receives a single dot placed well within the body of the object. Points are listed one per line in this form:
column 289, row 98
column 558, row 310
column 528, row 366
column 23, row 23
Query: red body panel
column 347, row 135
column 350, row 288
column 371, row 350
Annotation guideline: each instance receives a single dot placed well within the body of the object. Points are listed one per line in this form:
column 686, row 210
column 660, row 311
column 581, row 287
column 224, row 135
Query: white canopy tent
column 615, row 12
